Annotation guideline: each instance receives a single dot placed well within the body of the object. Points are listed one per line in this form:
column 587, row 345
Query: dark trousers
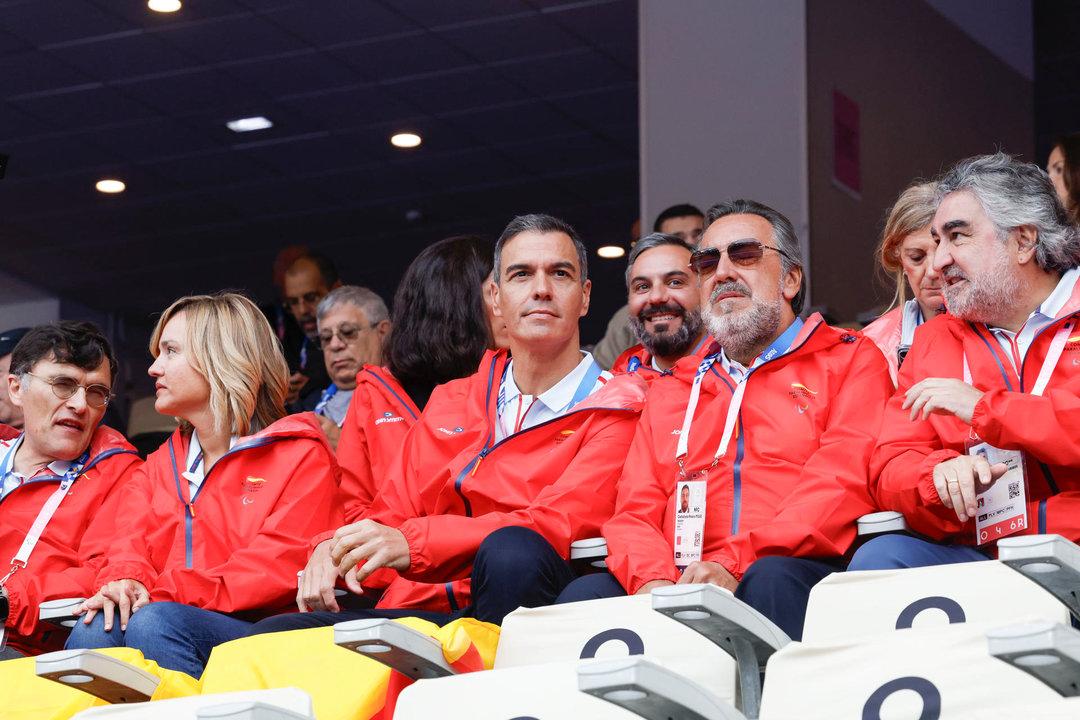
column 514, row 567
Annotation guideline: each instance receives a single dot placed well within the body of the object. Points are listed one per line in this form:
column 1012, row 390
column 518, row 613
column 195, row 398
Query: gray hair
column 650, row 241
column 540, row 223
column 1013, row 194
column 373, row 306
column 783, row 235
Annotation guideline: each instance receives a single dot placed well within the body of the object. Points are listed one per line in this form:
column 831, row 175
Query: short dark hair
column 327, row 269
column 783, row 234
column 682, row 210
column 650, row 241
column 540, row 223
column 81, row 344
column 440, row 325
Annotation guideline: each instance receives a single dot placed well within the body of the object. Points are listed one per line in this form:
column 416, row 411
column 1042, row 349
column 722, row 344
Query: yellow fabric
column 343, row 684
column 25, row 696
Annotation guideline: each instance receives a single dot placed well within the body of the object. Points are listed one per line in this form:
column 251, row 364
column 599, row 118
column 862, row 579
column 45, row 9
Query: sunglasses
column 741, row 252
column 63, row 387
column 348, row 334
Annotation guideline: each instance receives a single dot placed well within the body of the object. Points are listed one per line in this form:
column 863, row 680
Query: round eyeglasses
column 63, row 387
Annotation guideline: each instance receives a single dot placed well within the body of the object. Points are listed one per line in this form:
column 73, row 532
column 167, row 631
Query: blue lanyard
column 69, row 476
column 303, row 353
column 782, row 343
column 586, row 385
column 320, row 408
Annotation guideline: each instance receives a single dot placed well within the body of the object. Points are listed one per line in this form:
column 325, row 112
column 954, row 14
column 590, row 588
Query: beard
column 663, row 343
column 742, row 331
column 987, row 297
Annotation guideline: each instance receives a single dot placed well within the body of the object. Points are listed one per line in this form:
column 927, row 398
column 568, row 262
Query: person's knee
column 591, row 587
column 154, row 620
column 515, row 549
column 887, row 552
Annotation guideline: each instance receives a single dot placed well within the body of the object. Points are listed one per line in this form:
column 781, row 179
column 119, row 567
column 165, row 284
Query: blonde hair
column 231, row 345
column 913, row 211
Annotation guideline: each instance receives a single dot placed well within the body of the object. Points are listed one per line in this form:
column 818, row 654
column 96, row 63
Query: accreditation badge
column 1001, row 510
column 689, row 516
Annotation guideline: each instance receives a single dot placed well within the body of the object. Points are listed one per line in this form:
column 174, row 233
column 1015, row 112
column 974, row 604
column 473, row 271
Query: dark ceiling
column 524, row 105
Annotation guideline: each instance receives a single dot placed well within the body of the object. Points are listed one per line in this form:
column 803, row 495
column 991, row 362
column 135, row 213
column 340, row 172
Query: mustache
column 732, row 286
column 951, row 272
column 665, row 309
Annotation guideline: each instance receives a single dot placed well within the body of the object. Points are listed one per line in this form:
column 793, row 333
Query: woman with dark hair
column 442, row 325
column 1064, row 170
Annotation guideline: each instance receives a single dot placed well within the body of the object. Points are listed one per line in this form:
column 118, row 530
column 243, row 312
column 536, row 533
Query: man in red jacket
column 504, row 469
column 978, row 442
column 768, row 438
column 665, row 306
column 63, row 472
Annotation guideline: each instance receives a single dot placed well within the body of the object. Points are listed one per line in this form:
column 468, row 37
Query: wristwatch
column 4, row 608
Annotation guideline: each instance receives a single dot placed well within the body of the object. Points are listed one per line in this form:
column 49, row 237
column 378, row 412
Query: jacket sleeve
column 442, row 546
column 817, row 518
column 1032, row 423
column 125, row 553
column 27, row 589
column 357, row 482
column 263, row 573
column 638, row 550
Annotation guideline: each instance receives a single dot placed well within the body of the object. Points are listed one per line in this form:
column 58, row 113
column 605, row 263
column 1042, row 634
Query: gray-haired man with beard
column 664, row 306
column 768, row 436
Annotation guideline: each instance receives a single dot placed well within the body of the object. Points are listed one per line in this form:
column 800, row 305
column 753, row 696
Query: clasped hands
column 699, row 571
column 355, row 551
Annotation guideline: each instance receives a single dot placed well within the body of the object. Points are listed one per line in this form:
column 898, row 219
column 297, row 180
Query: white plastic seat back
column 613, row 628
column 927, row 673
column 187, row 708
column 545, row 692
column 855, row 605
column 1063, row 709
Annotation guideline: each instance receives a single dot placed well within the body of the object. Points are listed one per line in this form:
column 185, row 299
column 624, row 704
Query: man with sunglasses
column 353, row 325
column 664, row 304
column 771, row 433
column 56, row 477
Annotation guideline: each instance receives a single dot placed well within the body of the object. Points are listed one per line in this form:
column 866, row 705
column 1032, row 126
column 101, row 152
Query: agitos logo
column 802, row 396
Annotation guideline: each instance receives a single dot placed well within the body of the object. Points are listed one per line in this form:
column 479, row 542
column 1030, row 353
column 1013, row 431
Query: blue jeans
column 175, row 636
column 892, row 552
column 514, row 567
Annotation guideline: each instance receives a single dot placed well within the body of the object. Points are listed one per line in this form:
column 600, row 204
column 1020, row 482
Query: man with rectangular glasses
column 57, row 477
column 353, row 324
column 748, row 469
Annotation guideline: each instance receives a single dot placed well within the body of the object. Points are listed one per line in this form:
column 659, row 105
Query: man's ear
column 791, row 284
column 493, row 288
column 14, row 387
column 586, row 290
column 1027, row 242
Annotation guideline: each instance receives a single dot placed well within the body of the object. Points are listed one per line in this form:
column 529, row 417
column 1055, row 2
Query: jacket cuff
column 928, row 493
column 321, row 537
column 125, row 571
column 16, row 600
column 418, row 564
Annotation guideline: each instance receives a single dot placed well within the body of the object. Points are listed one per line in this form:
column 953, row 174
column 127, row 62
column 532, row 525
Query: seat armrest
column 880, row 523
column 588, row 555
column 399, row 647
column 652, row 691
column 1048, row 560
column 60, row 612
column 1045, row 650
column 112, row 680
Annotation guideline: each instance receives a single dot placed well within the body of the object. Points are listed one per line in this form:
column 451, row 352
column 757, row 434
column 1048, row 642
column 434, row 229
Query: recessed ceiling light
column 405, row 140
column 249, row 124
column 611, row 251
column 163, row 6
column 110, row 186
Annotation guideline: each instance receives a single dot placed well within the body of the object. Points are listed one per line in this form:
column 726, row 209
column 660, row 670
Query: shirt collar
column 561, row 394
column 195, row 453
column 1053, row 304
column 56, row 467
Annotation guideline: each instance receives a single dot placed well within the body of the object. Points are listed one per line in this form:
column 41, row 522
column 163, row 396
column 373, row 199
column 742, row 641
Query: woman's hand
column 315, row 591
column 128, row 595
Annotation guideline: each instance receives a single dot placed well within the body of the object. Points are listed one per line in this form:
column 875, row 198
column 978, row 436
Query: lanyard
column 325, row 399
column 1057, row 345
column 303, row 353
column 45, row 514
column 777, row 348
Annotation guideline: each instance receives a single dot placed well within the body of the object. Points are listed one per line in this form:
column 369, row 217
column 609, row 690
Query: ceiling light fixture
column 611, row 251
column 110, row 186
column 249, row 124
column 163, row 6
column 405, row 140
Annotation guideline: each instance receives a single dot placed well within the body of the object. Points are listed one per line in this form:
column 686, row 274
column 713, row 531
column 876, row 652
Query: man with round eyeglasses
column 56, row 477
column 353, row 324
column 749, row 467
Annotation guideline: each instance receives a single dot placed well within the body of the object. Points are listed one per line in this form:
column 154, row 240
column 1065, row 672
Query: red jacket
column 796, row 481
column 638, row 359
column 886, row 332
column 457, row 485
column 380, row 415
column 71, row 548
column 1007, row 416
column 240, row 542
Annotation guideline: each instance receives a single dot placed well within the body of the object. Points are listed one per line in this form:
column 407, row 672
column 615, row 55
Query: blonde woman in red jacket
column 214, row 528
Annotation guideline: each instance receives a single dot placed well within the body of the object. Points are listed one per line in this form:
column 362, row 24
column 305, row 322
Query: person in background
column 307, row 280
column 1063, row 166
column 906, row 252
column 10, row 414
column 213, row 529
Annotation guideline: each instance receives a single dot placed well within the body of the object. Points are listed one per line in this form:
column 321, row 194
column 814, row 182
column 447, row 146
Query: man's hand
column 701, row 571
column 374, row 545
column 315, row 590
column 127, row 595
column 652, row 585
column 296, row 381
column 960, row 479
column 330, row 430
column 942, row 396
